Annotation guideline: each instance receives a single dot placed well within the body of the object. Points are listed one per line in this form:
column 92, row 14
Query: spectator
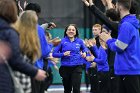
column 8, row 15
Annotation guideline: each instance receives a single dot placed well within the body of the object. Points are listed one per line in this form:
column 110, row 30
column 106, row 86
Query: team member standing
column 71, row 64
column 102, row 64
column 96, row 30
column 126, row 46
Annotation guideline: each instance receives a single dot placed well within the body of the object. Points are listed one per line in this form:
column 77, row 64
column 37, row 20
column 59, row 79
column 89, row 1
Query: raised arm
column 110, row 24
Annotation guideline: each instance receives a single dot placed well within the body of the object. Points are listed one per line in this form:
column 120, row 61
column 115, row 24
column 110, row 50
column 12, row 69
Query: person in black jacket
column 8, row 15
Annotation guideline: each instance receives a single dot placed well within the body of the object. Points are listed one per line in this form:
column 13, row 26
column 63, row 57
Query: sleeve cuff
column 34, row 72
column 110, row 41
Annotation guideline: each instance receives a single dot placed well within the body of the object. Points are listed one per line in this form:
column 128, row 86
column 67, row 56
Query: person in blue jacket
column 71, row 64
column 90, row 71
column 45, row 48
column 37, row 87
column 50, row 61
column 126, row 46
column 102, row 65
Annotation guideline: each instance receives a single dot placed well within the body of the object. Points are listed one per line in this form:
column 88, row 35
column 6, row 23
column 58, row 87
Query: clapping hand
column 88, row 2
column 86, row 43
column 83, row 54
column 92, row 42
column 105, row 37
column 90, row 58
column 93, row 64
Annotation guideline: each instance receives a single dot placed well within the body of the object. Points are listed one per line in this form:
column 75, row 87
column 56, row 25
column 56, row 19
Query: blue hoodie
column 74, row 47
column 45, row 48
column 101, row 59
column 127, row 47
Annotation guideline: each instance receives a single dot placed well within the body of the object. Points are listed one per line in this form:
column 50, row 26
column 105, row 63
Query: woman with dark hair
column 69, row 50
column 8, row 15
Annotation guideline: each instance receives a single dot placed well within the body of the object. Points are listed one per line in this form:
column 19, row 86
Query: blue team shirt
column 127, row 47
column 74, row 47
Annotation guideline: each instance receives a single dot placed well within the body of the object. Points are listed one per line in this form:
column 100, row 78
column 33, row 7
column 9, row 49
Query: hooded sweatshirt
column 127, row 47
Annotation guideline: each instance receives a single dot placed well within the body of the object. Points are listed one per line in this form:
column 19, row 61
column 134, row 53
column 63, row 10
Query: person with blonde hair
column 29, row 43
column 45, row 48
column 96, row 30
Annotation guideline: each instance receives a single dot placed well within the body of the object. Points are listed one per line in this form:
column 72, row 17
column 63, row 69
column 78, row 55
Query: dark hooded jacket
column 16, row 62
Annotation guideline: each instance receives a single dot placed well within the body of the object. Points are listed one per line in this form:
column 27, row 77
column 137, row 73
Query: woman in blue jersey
column 71, row 64
column 102, row 64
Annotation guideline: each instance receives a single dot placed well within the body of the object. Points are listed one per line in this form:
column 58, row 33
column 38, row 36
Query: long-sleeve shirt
column 16, row 62
column 111, row 25
column 45, row 48
column 75, row 47
column 101, row 59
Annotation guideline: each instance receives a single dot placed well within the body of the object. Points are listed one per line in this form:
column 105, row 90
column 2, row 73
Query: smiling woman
column 71, row 29
column 71, row 64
